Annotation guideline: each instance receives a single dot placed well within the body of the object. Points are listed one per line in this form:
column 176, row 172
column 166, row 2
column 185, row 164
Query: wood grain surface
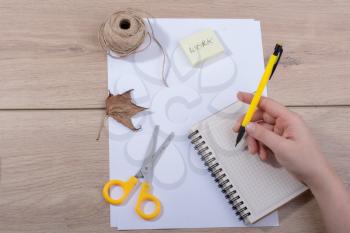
column 50, row 56
column 53, row 82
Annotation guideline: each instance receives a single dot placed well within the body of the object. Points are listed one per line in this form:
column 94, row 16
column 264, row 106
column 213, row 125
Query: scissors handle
column 127, row 186
column 145, row 195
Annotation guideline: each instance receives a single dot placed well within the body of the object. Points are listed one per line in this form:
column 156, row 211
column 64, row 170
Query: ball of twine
column 124, row 32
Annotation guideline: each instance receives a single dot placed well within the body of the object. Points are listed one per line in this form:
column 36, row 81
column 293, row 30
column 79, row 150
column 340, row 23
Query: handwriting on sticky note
column 201, row 46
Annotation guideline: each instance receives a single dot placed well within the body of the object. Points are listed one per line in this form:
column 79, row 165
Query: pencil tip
column 237, row 141
column 240, row 135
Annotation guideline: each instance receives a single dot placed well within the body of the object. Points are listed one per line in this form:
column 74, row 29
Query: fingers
column 253, row 146
column 256, row 147
column 262, row 151
column 265, row 136
column 267, row 126
column 258, row 116
column 278, row 130
column 266, row 104
column 268, row 118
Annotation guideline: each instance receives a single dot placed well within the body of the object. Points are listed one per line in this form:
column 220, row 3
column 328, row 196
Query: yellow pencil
column 269, row 70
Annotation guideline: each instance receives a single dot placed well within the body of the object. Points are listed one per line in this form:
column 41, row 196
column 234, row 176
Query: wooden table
column 53, row 83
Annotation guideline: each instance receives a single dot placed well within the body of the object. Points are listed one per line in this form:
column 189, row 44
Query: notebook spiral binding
column 220, row 177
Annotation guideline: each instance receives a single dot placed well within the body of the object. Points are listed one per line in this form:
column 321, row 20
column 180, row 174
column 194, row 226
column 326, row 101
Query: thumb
column 267, row 137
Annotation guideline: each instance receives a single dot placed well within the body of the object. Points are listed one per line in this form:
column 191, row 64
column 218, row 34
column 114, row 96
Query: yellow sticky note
column 201, row 46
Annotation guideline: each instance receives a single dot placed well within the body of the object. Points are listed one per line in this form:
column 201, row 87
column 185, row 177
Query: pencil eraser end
column 201, row 46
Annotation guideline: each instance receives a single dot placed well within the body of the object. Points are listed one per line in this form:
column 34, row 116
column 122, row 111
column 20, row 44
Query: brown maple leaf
column 121, row 108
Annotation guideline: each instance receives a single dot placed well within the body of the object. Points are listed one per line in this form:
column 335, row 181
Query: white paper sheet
column 189, row 196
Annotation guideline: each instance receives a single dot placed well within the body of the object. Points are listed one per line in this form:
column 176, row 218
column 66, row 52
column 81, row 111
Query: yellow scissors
column 145, row 173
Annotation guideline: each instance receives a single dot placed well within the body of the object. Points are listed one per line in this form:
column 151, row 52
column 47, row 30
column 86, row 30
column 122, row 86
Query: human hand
column 275, row 128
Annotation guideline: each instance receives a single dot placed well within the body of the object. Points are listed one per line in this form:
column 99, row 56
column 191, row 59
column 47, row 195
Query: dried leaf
column 122, row 109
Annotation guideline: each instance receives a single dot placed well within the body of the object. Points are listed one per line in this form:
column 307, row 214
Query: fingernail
column 239, row 95
column 250, row 127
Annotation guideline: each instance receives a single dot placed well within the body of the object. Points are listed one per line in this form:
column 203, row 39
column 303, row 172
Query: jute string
column 125, row 31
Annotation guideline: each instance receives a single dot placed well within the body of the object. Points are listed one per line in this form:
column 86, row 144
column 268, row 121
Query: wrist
column 323, row 179
column 319, row 171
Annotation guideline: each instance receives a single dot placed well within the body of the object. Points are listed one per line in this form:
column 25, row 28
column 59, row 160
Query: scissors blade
column 149, row 152
column 147, row 171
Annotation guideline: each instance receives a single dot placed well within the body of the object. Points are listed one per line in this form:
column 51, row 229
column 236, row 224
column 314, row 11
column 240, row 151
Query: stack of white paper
column 190, row 197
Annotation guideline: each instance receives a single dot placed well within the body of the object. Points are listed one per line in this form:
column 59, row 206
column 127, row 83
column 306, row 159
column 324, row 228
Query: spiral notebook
column 254, row 188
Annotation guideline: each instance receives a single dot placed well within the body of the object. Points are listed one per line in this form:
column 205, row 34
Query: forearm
column 334, row 201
